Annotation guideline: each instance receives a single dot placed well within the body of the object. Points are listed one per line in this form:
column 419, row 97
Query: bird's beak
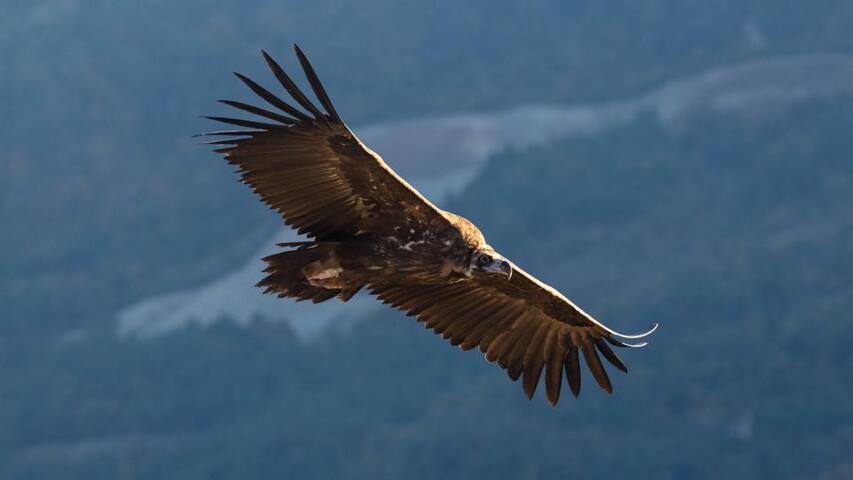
column 506, row 268
column 501, row 267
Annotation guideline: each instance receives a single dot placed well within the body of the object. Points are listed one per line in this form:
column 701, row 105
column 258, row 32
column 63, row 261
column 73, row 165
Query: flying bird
column 368, row 228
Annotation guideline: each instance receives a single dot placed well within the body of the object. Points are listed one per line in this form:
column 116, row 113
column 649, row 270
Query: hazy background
column 685, row 162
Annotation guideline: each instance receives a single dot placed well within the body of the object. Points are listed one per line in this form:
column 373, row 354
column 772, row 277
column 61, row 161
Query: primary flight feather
column 370, row 229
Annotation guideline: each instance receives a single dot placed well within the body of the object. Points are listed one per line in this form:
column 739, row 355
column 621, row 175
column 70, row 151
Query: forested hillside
column 107, row 200
column 734, row 234
column 731, row 233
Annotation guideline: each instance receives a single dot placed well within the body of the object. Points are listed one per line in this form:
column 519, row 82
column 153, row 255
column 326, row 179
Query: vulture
column 366, row 227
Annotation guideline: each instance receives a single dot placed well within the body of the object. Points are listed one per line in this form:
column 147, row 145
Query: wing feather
column 497, row 347
column 271, row 98
column 460, row 330
column 554, row 356
column 595, row 366
column 261, row 112
column 316, row 85
column 573, row 369
column 516, row 338
column 459, row 315
column 291, row 86
column 502, row 324
column 610, row 355
column 534, row 359
column 521, row 341
column 485, row 323
column 244, row 123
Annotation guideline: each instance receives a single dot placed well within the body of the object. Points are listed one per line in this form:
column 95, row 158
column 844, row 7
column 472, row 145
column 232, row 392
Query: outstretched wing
column 312, row 169
column 522, row 324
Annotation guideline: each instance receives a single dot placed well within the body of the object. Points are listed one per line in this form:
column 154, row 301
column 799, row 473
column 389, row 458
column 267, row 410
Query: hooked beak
column 501, row 267
column 507, row 269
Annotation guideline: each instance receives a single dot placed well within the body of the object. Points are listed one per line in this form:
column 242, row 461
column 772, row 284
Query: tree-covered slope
column 733, row 234
column 106, row 200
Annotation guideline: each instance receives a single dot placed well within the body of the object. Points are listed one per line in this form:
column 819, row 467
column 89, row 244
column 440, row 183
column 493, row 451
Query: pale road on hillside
column 756, row 88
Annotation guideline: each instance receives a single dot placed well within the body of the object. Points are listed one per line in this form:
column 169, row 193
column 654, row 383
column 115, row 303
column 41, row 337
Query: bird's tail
column 288, row 273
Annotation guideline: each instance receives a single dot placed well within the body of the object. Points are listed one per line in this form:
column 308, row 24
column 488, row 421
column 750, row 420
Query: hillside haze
column 729, row 226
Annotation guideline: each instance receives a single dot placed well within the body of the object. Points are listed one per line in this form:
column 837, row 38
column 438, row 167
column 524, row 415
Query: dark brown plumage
column 369, row 228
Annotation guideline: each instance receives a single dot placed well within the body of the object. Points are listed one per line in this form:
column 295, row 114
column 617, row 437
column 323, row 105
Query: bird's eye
column 484, row 259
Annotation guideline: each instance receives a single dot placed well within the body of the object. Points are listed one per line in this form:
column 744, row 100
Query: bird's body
column 370, row 229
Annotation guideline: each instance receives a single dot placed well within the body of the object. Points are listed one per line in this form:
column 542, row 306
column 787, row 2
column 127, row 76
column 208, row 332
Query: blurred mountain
column 108, row 199
column 731, row 230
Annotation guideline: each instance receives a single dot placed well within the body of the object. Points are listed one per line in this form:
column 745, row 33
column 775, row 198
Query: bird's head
column 486, row 261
